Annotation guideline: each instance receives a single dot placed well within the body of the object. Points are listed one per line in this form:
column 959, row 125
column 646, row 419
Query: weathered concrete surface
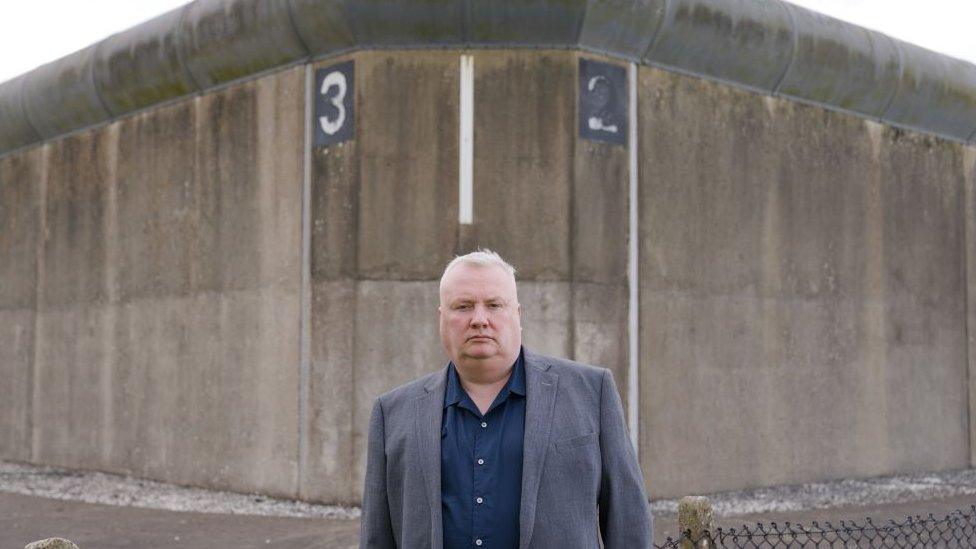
column 16, row 377
column 801, row 282
column 396, row 341
column 212, row 324
column 384, row 210
column 167, row 338
column 599, row 330
column 925, row 280
column 21, row 203
column 334, row 212
column 223, row 410
column 173, row 279
column 525, row 118
column 408, row 153
column 72, row 367
column 546, row 309
column 327, row 475
column 599, row 230
column 803, row 276
column 969, row 170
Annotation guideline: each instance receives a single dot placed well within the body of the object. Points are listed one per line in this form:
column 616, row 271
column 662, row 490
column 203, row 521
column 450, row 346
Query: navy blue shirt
column 481, row 464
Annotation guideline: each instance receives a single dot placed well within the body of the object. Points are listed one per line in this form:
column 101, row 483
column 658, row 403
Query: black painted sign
column 334, row 102
column 602, row 101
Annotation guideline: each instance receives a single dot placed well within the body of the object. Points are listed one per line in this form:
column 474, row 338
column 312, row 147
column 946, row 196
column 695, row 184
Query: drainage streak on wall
column 805, row 201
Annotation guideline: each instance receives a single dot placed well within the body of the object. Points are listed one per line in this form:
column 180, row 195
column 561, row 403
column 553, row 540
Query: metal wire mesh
column 955, row 530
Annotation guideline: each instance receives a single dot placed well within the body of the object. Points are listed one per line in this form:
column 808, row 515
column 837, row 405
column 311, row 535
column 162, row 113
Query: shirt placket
column 486, row 436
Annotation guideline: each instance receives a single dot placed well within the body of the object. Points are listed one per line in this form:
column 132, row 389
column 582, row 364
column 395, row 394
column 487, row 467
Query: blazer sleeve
column 625, row 520
column 376, row 529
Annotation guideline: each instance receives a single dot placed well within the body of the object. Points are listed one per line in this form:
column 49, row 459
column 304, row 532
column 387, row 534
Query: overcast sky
column 33, row 32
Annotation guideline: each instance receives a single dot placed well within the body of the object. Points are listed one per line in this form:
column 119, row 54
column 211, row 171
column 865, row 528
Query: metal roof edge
column 934, row 93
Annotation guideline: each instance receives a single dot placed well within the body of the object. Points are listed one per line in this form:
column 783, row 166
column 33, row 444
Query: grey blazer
column 580, row 476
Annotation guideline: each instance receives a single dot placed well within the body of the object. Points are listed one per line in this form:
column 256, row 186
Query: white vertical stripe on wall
column 466, row 143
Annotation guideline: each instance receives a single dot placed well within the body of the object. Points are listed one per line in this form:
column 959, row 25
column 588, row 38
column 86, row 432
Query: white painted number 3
column 338, row 80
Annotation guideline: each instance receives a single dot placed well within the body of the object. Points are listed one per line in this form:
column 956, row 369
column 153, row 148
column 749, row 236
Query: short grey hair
column 483, row 257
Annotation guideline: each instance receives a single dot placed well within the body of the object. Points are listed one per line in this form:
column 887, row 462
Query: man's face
column 480, row 317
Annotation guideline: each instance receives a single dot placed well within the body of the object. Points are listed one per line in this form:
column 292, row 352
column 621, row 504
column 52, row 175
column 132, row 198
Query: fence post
column 694, row 515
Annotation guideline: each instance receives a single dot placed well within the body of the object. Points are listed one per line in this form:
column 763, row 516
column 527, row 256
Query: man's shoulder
column 570, row 371
column 412, row 389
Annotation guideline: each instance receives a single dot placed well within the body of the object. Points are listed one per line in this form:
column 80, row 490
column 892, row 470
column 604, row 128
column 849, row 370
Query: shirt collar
column 453, row 393
column 517, row 382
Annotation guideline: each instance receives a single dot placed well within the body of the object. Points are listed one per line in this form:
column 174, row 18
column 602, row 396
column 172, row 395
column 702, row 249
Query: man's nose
column 479, row 316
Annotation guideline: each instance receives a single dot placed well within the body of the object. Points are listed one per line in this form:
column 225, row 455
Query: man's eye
column 463, row 307
column 494, row 305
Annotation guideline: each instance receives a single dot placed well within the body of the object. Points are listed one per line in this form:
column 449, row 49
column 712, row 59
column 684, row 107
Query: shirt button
column 478, row 542
column 480, row 500
column 483, row 424
column 481, row 462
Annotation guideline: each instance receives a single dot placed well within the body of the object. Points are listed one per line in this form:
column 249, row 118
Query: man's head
column 480, row 316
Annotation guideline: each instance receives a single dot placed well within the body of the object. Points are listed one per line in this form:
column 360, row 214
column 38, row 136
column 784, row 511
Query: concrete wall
column 384, row 224
column 803, row 277
column 803, row 293
column 151, row 292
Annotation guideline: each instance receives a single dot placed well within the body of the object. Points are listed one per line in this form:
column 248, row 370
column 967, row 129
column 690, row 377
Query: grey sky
column 34, row 32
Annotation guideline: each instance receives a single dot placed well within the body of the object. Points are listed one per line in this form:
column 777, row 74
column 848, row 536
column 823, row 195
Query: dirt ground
column 27, row 518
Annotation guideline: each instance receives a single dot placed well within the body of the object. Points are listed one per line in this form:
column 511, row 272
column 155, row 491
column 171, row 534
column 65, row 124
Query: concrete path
column 28, row 518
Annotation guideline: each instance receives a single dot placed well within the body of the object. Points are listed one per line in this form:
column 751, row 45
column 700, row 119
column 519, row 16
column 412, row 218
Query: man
column 502, row 448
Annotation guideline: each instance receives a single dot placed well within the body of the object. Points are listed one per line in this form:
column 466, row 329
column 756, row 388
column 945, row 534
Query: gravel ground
column 108, row 489
column 828, row 495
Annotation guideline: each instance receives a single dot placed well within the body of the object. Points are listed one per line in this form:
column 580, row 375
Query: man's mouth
column 481, row 338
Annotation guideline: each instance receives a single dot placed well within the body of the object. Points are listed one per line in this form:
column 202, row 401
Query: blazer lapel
column 429, row 408
column 540, row 401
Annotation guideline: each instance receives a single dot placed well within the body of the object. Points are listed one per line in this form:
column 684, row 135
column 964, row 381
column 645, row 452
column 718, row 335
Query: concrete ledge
column 143, row 66
column 937, row 93
column 765, row 45
column 321, row 26
column 226, row 40
column 841, row 65
column 746, row 43
column 399, row 22
column 624, row 28
column 17, row 130
column 61, row 97
column 540, row 23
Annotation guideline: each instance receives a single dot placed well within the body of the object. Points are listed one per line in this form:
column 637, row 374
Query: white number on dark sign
column 602, row 89
column 334, row 79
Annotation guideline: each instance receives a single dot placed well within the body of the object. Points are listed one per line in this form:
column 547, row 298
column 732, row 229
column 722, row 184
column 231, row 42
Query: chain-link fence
column 955, row 530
